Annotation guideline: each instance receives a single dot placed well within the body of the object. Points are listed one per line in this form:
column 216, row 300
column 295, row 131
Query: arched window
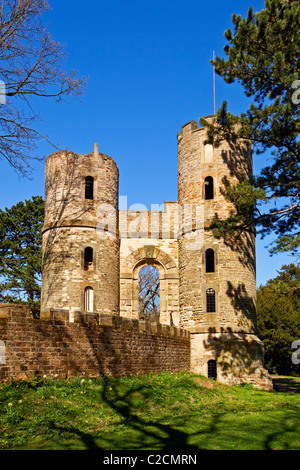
column 210, row 261
column 212, row 369
column 88, row 299
column 210, row 300
column 89, row 187
column 209, row 187
column 88, row 257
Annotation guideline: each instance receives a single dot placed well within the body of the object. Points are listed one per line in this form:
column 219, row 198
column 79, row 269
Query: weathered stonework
column 93, row 253
column 226, row 335
column 72, row 223
column 150, row 237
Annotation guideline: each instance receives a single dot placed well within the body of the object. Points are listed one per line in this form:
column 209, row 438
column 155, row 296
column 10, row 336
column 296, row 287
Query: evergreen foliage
column 278, row 319
column 263, row 56
column 20, row 252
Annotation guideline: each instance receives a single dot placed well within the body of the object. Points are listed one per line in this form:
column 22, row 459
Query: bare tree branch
column 30, row 65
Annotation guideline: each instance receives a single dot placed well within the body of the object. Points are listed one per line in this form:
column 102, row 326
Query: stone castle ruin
column 92, row 256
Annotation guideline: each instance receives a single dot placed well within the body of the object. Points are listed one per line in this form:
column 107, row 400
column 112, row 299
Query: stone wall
column 90, row 346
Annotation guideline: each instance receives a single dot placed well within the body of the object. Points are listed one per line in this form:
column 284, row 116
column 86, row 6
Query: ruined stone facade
column 93, row 252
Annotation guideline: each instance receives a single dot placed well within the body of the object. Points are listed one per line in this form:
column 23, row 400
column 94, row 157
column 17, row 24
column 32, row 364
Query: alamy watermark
column 296, row 94
column 2, row 92
column 296, row 354
column 170, row 221
column 2, row 353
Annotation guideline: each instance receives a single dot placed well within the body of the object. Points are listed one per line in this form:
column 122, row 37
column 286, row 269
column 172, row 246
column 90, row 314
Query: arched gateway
column 168, row 277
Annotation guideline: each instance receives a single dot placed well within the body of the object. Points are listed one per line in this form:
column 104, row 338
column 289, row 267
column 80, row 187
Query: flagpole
column 214, row 81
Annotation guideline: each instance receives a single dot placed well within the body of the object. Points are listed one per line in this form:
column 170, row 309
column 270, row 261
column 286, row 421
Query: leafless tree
column 149, row 293
column 30, row 66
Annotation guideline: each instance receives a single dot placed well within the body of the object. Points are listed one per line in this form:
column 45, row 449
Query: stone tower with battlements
column 217, row 283
column 80, row 241
column 93, row 252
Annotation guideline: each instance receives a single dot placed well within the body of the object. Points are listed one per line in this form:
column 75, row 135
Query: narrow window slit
column 89, row 187
column 210, row 300
column 88, row 299
column 210, row 261
column 209, row 187
column 88, row 258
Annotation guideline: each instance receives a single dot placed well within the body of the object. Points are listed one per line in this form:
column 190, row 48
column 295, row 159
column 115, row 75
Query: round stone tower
column 217, row 282
column 80, row 234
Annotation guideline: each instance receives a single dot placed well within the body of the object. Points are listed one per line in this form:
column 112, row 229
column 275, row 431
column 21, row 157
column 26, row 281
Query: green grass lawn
column 158, row 412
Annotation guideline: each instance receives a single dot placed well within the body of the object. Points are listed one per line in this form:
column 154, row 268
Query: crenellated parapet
column 89, row 345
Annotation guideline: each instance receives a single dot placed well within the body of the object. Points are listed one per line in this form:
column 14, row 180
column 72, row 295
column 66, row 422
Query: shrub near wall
column 91, row 346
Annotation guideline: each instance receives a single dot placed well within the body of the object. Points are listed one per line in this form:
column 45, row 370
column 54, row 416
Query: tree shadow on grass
column 281, row 434
column 140, row 433
column 186, row 432
column 164, row 436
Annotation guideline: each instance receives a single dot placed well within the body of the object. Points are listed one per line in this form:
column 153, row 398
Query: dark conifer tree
column 263, row 56
column 20, row 252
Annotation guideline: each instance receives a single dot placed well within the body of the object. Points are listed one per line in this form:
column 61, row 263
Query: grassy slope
column 158, row 412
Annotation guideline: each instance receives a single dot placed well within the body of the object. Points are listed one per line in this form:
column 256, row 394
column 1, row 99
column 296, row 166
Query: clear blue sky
column 149, row 73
